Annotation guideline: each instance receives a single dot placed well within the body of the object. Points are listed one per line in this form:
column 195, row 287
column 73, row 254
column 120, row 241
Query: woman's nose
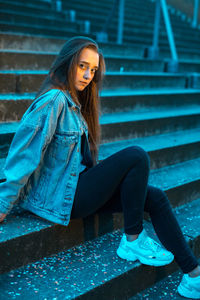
column 87, row 74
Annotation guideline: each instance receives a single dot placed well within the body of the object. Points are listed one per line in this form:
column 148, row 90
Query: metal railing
column 119, row 5
column 153, row 51
column 195, row 14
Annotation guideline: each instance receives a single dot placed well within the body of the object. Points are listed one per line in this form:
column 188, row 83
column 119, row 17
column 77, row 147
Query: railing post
column 120, row 22
column 195, row 14
column 173, row 64
column 102, row 36
column 153, row 51
column 56, row 5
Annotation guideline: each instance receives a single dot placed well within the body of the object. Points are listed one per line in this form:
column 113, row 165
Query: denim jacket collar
column 69, row 98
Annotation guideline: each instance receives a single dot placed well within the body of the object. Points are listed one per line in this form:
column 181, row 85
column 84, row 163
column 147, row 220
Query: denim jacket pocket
column 52, row 169
column 64, row 145
column 59, row 150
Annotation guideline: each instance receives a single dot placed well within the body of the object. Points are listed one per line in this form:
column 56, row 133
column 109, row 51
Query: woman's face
column 87, row 65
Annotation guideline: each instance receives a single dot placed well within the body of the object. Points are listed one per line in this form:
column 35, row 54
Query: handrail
column 154, row 49
column 120, row 22
column 169, row 30
column 195, row 14
column 102, row 35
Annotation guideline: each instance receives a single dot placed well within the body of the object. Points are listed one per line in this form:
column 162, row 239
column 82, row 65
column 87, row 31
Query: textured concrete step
column 107, row 4
column 139, row 38
column 190, row 54
column 134, row 29
column 168, row 152
column 24, row 60
column 164, row 149
column 146, row 39
column 132, row 10
column 14, row 17
column 93, row 270
column 34, row 3
column 30, row 81
column 134, row 80
column 7, row 131
column 21, row 60
column 120, row 126
column 13, row 106
column 30, row 8
column 65, row 32
column 23, row 18
column 115, row 101
column 189, row 66
column 83, row 15
column 52, row 44
column 164, row 289
column 131, row 124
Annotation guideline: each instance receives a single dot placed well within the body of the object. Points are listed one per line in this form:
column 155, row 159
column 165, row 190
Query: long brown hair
column 61, row 75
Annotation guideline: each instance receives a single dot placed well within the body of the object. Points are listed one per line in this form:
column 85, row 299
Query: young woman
column 52, row 169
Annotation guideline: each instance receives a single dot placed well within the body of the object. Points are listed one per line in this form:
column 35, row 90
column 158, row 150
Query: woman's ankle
column 195, row 272
column 131, row 237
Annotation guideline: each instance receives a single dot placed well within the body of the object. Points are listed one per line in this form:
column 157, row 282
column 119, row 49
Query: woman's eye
column 82, row 66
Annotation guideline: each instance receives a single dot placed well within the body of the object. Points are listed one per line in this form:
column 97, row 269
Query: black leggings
column 119, row 183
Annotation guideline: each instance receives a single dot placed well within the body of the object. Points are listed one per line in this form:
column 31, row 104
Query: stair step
column 15, row 60
column 142, row 39
column 34, row 3
column 23, row 60
column 184, row 176
column 14, row 17
column 120, row 126
column 29, row 8
column 29, row 81
column 164, row 289
column 129, row 116
column 13, row 106
column 50, row 44
column 46, row 30
column 93, row 269
column 131, row 124
column 164, row 149
column 115, row 101
column 54, row 44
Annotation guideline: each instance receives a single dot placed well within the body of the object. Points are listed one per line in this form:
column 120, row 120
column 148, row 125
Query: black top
column 85, row 151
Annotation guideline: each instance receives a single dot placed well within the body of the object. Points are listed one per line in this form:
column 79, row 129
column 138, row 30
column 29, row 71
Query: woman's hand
column 2, row 217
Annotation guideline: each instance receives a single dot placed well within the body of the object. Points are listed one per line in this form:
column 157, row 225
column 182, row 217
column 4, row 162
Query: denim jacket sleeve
column 34, row 133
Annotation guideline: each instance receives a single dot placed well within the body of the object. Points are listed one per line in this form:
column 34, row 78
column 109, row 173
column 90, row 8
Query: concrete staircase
column 39, row 17
column 142, row 105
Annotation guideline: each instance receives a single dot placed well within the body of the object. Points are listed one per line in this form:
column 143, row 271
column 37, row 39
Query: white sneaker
column 145, row 249
column 189, row 287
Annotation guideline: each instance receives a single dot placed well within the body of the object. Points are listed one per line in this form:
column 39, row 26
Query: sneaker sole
column 131, row 257
column 183, row 291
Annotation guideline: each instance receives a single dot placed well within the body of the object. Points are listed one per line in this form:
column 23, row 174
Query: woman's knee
column 156, row 200
column 136, row 153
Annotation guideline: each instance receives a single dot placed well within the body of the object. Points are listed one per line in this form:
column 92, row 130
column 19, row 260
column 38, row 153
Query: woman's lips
column 82, row 82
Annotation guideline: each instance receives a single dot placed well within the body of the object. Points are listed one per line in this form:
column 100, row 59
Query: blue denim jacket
column 43, row 163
